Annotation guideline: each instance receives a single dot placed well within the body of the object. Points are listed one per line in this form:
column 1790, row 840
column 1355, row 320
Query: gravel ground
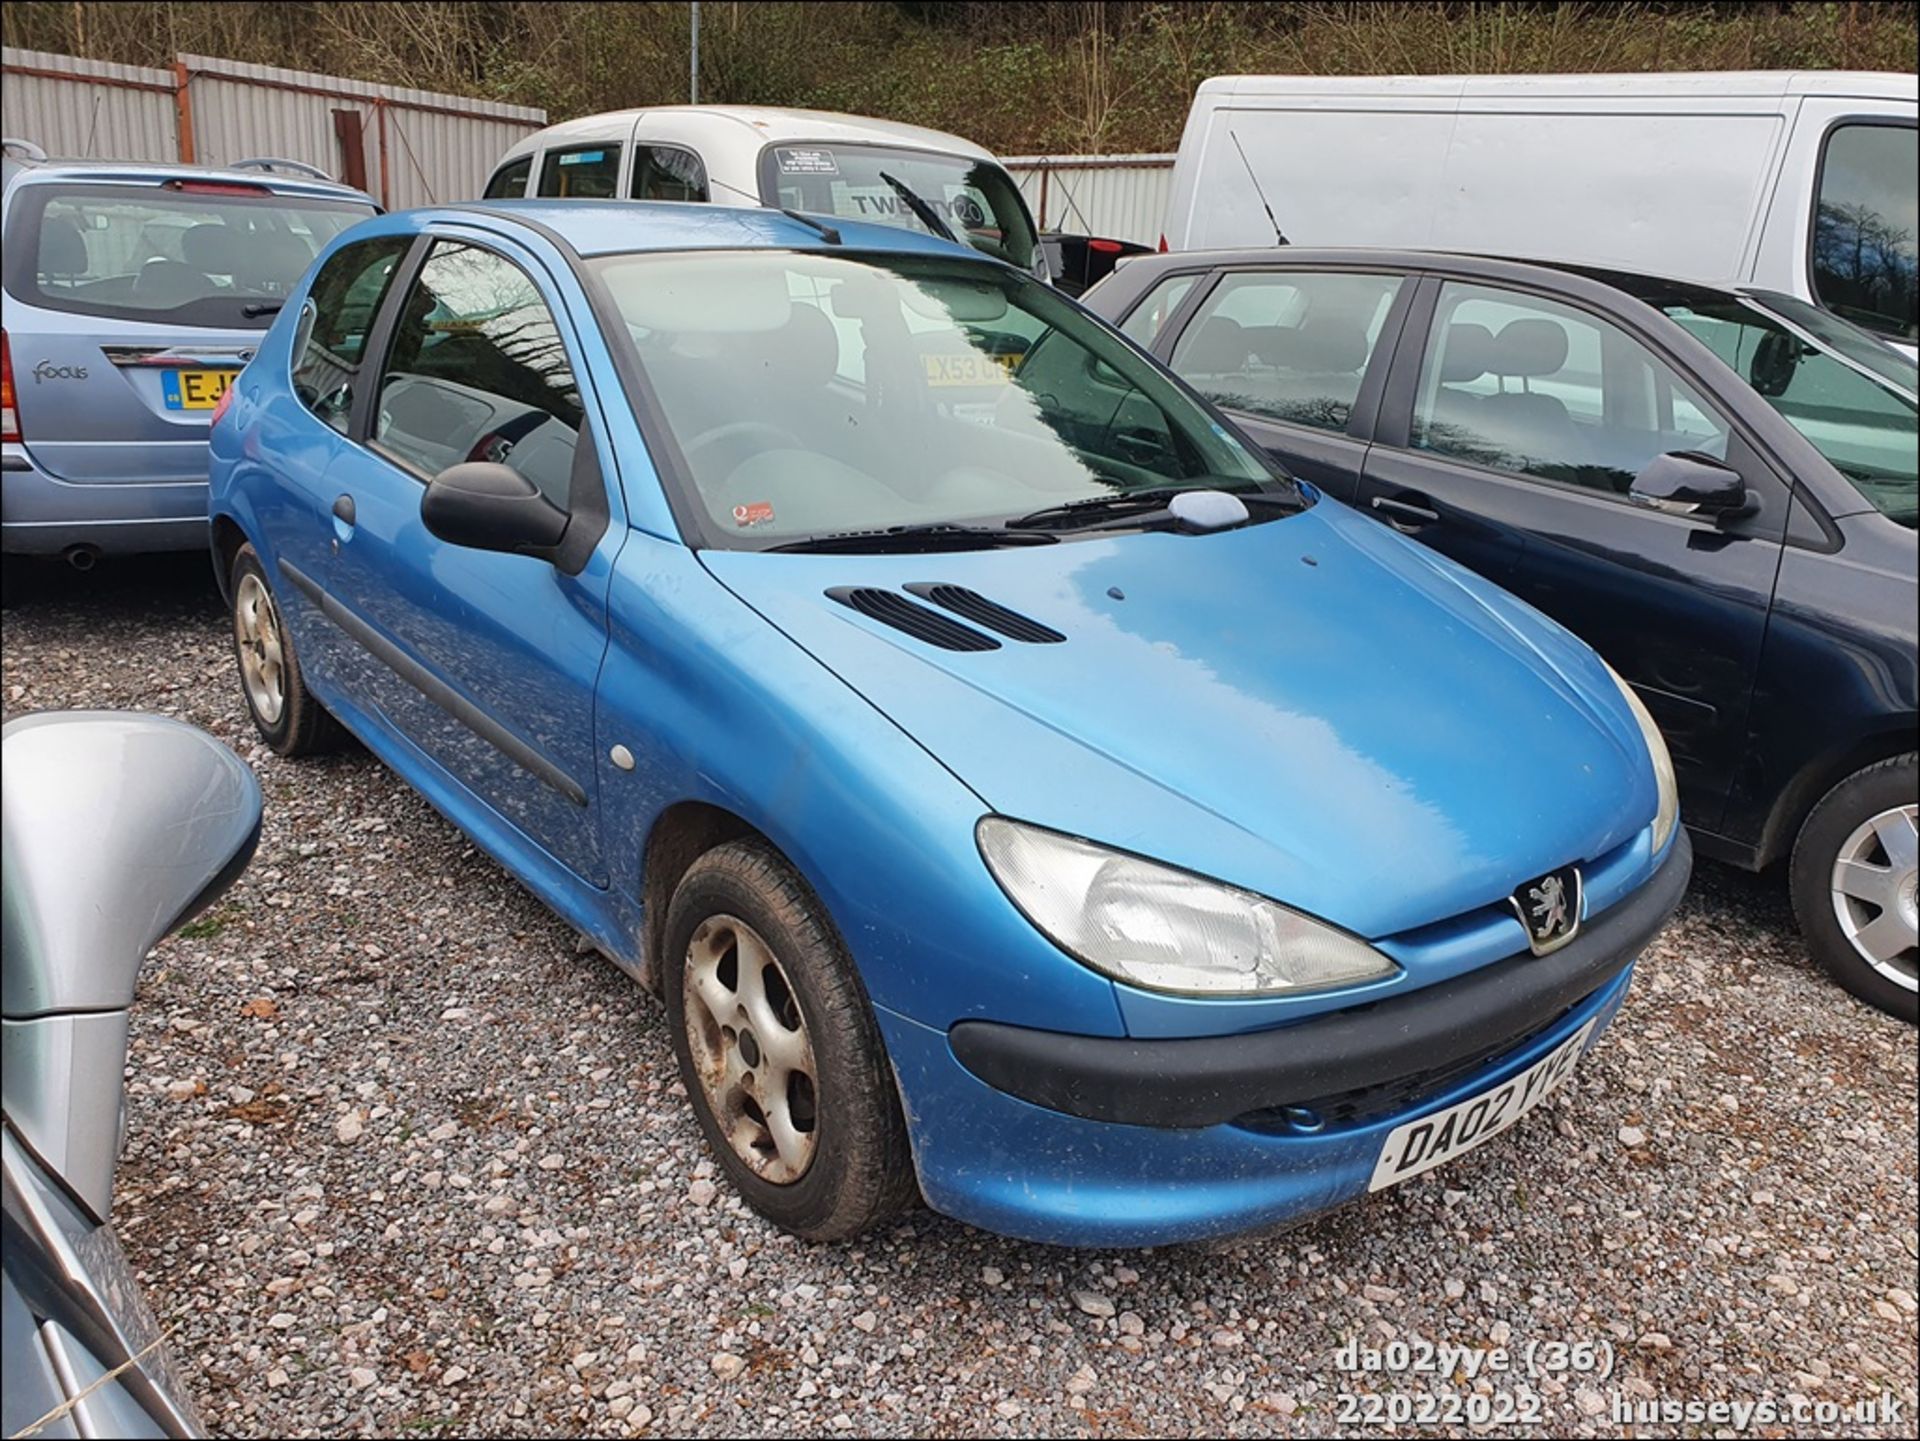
column 400, row 1161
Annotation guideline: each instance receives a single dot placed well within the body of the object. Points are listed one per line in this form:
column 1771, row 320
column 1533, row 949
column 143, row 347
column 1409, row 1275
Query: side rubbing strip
column 435, row 689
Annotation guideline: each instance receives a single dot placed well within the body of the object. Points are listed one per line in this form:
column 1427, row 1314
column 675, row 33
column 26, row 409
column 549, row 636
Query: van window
column 148, row 252
column 976, row 198
column 1532, row 387
column 510, row 180
column 586, row 172
column 666, row 172
column 1864, row 227
column 1285, row 345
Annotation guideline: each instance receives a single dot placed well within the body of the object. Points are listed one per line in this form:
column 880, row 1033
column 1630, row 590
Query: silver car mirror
column 115, row 829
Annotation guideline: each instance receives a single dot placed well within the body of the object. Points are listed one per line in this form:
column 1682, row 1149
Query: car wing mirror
column 1774, row 361
column 488, row 506
column 116, row 829
column 1686, row 482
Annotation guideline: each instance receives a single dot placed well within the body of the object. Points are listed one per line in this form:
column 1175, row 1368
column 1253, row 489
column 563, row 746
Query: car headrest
column 1465, row 353
column 273, row 259
column 62, row 250
column 805, row 350
column 1528, row 348
column 1334, row 343
column 211, row 249
column 1219, row 348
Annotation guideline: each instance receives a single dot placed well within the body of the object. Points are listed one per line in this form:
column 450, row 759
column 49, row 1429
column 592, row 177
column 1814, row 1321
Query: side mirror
column 1685, row 482
column 487, row 506
column 116, row 829
column 1774, row 361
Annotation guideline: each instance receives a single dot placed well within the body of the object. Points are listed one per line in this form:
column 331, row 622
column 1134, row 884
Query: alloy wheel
column 1874, row 880
column 750, row 1046
column 256, row 634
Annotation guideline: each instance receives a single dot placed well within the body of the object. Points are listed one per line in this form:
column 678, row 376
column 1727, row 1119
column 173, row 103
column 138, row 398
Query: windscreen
column 976, row 198
column 1853, row 403
column 185, row 252
column 812, row 394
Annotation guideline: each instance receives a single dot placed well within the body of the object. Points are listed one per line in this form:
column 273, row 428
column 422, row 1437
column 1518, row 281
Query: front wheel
column 1853, row 878
column 779, row 1050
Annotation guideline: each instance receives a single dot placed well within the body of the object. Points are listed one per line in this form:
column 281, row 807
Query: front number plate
column 194, row 389
column 1423, row 1144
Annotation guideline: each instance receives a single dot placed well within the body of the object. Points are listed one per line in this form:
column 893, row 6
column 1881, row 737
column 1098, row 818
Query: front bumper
column 1087, row 1141
column 43, row 515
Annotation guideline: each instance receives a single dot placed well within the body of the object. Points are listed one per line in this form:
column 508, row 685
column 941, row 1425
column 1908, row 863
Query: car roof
column 1589, row 86
column 1653, row 289
column 612, row 227
column 25, row 171
column 759, row 124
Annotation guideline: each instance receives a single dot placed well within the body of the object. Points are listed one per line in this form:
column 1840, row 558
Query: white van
column 807, row 160
column 1802, row 182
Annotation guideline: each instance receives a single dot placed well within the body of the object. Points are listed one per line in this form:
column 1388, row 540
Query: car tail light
column 1104, row 247
column 9, row 414
column 217, row 187
column 1163, row 245
column 220, row 407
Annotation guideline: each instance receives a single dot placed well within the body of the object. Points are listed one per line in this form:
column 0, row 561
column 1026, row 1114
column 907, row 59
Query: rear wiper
column 924, row 212
column 926, row 536
column 254, row 309
column 1095, row 509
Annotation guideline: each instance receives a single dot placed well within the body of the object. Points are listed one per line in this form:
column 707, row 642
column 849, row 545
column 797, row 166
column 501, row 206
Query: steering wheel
column 740, row 435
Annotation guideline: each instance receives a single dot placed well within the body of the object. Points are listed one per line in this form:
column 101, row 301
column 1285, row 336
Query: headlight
column 1668, row 811
column 1167, row 930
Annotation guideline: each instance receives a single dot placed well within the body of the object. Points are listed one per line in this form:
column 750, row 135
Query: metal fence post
column 183, row 108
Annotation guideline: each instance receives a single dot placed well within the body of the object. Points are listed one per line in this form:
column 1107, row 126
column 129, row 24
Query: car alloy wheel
column 256, row 634
column 750, row 1048
column 1874, row 879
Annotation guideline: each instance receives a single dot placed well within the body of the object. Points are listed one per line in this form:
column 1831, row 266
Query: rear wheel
column 285, row 713
column 779, row 1050
column 1854, row 878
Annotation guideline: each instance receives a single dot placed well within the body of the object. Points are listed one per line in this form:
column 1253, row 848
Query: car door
column 1514, row 425
column 307, row 434
column 1290, row 354
column 485, row 661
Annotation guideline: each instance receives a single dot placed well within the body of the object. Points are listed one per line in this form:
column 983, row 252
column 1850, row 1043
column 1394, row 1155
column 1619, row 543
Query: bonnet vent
column 916, row 620
column 981, row 611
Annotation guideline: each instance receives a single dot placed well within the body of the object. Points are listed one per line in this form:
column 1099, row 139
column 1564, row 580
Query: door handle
column 343, row 510
column 1406, row 510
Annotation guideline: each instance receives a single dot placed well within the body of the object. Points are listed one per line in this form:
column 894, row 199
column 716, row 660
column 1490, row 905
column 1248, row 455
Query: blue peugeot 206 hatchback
column 1019, row 792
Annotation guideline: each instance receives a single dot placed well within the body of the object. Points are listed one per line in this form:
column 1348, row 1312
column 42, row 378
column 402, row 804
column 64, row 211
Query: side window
column 339, row 311
column 477, row 371
column 1533, row 387
column 666, row 172
column 510, row 180
column 1285, row 345
column 1864, row 250
column 1144, row 323
column 587, row 172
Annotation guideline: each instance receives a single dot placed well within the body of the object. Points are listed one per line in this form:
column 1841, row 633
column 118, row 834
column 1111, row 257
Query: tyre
column 1853, row 884
column 779, row 1049
column 284, row 711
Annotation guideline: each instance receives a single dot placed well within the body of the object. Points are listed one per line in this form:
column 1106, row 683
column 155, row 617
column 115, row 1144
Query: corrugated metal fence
column 1123, row 197
column 408, row 147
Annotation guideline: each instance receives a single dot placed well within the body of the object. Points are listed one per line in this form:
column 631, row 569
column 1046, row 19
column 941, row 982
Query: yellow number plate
column 970, row 369
column 195, row 389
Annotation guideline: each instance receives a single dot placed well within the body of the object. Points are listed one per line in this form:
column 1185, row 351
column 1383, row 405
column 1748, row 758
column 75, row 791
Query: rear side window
column 588, row 172
column 1864, row 227
column 1147, row 318
column 510, row 180
column 666, row 172
column 478, row 371
column 1285, row 345
column 332, row 339
column 191, row 253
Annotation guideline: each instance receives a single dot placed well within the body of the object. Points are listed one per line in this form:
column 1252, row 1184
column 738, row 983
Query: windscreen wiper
column 923, row 537
column 1096, row 510
column 924, row 212
column 254, row 309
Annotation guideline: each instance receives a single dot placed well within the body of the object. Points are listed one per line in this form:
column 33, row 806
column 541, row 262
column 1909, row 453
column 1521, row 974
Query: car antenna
column 826, row 232
column 1279, row 235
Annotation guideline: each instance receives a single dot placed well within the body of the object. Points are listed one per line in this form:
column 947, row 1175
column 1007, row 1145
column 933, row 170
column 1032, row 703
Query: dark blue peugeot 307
column 1021, row 792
